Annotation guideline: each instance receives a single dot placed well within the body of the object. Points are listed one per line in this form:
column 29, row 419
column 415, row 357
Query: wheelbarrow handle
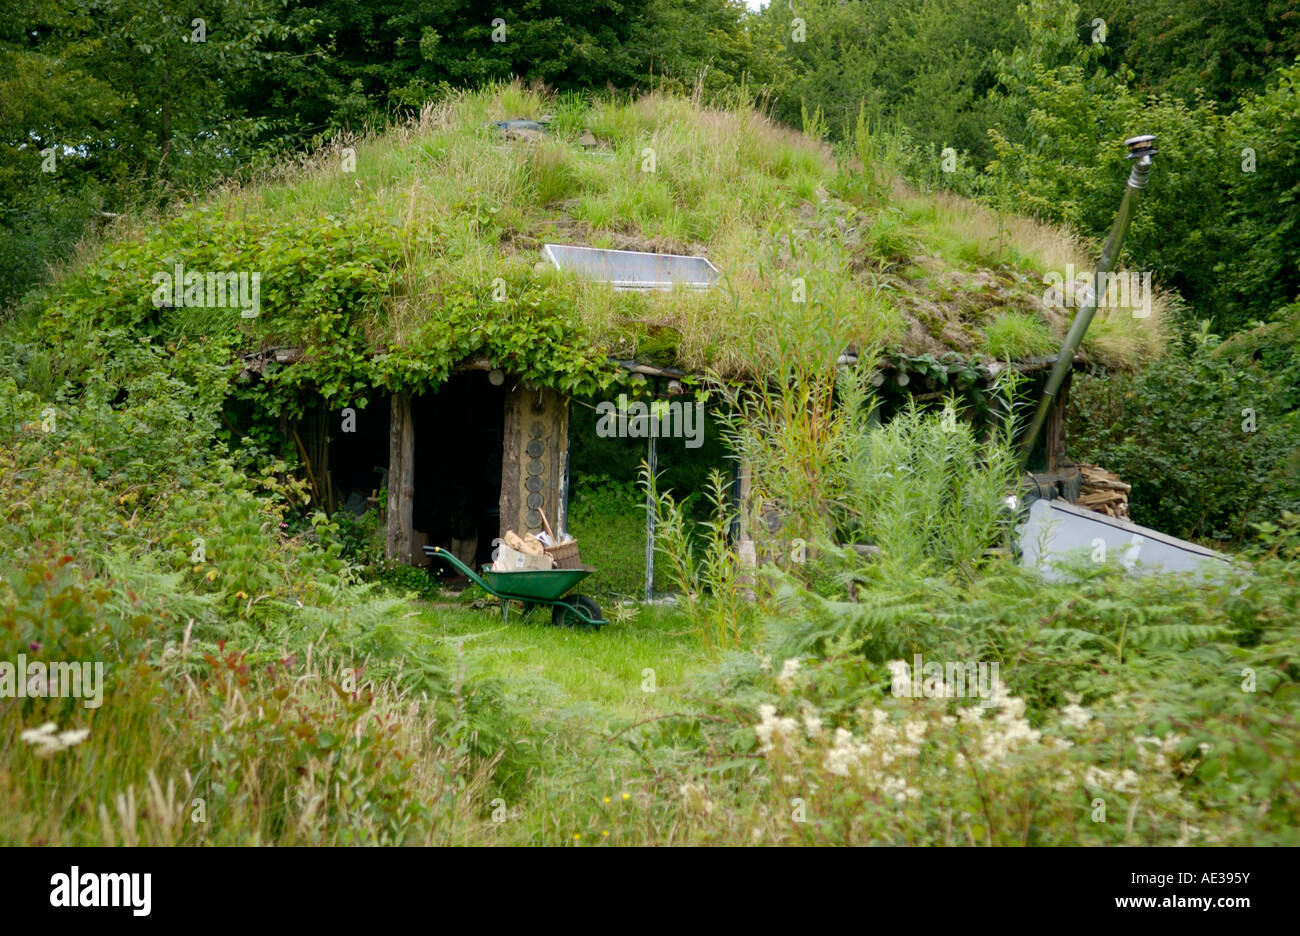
column 439, row 552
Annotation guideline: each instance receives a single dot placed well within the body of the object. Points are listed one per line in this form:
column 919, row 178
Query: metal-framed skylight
column 633, row 269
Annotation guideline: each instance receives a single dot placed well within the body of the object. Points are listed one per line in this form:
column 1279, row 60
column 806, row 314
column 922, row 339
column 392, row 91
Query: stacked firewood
column 1103, row 492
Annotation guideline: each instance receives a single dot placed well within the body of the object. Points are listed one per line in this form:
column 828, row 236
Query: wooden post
column 1055, row 441
column 562, row 508
column 535, row 448
column 744, row 499
column 401, row 479
column 653, row 461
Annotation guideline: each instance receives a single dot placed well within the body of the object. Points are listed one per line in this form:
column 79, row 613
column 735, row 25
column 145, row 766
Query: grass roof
column 397, row 239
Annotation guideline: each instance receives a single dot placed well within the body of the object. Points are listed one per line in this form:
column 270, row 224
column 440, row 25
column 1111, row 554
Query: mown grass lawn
column 629, row 669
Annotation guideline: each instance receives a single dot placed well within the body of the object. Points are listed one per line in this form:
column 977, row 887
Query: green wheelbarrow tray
column 534, row 584
column 532, row 587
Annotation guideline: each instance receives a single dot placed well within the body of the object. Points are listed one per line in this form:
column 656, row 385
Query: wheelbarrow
column 532, row 588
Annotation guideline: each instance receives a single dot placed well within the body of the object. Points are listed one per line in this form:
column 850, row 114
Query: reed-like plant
column 703, row 565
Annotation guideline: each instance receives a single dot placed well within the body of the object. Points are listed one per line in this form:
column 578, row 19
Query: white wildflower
column 765, row 727
column 771, row 730
column 812, row 724
column 1075, row 716
column 846, row 754
column 788, row 670
column 696, row 799
column 1012, row 707
column 1126, row 782
column 899, row 789
column 1097, row 777
column 1009, row 732
column 49, row 740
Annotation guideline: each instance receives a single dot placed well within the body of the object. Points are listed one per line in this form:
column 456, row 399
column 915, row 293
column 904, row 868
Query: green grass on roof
column 447, row 206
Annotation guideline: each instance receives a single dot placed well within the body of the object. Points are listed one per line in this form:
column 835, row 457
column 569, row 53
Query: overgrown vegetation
column 256, row 691
column 1209, row 435
column 269, row 679
column 249, row 679
column 1154, row 710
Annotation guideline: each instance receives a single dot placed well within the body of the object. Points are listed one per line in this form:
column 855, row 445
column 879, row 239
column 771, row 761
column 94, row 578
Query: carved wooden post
column 535, row 449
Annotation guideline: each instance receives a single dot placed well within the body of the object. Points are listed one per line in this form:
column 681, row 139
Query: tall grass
column 1014, row 336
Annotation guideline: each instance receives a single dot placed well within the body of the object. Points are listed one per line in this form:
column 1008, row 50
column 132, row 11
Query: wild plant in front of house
column 702, row 563
column 128, row 539
column 925, row 487
column 935, row 771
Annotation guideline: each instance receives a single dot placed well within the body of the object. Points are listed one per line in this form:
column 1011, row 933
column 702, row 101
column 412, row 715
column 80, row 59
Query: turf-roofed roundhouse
column 395, row 318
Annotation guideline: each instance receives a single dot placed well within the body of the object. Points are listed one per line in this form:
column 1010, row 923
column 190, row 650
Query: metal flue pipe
column 1140, row 149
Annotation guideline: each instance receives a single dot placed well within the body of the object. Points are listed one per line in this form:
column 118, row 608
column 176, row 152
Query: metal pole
column 650, row 524
column 1140, row 149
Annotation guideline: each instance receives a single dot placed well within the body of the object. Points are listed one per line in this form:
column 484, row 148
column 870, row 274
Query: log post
column 1055, row 442
column 401, row 479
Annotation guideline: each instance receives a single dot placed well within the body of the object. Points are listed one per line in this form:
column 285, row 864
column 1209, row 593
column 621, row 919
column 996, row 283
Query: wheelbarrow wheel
column 566, row 613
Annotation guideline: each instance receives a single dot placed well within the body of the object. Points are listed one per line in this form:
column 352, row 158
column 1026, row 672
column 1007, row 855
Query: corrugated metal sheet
column 631, row 269
column 1057, row 531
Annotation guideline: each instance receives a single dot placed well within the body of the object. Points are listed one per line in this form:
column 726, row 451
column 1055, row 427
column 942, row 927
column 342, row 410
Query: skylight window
column 632, row 269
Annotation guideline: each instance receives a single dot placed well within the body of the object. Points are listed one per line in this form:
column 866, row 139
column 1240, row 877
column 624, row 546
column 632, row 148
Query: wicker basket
column 565, row 555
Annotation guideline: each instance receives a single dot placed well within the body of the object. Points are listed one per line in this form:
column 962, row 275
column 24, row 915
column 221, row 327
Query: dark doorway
column 358, row 453
column 458, row 451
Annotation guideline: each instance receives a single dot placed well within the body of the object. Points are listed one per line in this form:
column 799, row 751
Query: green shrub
column 126, row 537
column 1216, row 222
column 1138, row 710
column 1209, row 439
column 401, row 578
column 928, row 491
